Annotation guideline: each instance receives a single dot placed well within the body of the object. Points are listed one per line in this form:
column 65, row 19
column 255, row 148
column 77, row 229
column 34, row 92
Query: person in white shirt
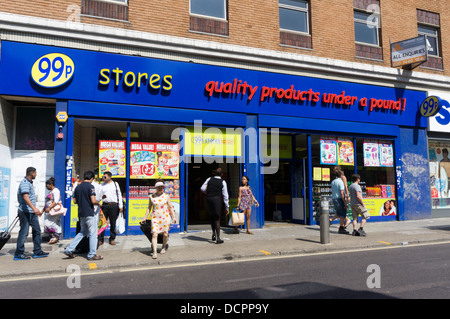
column 112, row 205
column 52, row 224
column 215, row 188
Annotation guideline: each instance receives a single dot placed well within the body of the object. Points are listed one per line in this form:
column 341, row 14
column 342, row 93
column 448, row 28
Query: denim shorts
column 339, row 207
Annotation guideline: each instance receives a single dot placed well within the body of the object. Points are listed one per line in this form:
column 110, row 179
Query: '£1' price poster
column 154, row 160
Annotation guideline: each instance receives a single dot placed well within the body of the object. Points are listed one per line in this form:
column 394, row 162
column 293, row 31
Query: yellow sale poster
column 138, row 207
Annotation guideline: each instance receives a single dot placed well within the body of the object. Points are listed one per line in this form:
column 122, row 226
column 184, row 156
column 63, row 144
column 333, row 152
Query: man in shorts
column 358, row 207
column 339, row 202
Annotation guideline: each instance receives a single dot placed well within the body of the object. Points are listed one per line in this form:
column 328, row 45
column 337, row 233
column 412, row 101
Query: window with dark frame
column 30, row 136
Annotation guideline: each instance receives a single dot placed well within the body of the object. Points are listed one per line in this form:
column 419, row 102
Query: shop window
column 35, row 129
column 327, row 153
column 294, row 23
column 375, row 164
column 110, row 9
column 439, row 162
column 102, row 146
column 375, row 158
column 209, row 16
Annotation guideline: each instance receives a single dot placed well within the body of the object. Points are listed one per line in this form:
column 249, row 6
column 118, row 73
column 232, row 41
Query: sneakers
column 342, row 230
column 40, row 254
column 22, row 257
column 359, row 232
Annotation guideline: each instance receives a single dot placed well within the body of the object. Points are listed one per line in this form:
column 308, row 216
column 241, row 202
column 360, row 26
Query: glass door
column 298, row 192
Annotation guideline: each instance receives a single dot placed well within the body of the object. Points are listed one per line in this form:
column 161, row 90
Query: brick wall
column 255, row 23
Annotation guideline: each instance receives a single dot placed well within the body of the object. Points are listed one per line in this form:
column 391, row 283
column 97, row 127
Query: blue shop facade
column 140, row 117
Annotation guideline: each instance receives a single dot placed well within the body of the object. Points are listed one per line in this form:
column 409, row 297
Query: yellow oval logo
column 430, row 106
column 52, row 70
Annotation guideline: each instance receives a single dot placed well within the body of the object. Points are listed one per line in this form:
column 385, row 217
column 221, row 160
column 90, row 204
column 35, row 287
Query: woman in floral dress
column 245, row 202
column 162, row 214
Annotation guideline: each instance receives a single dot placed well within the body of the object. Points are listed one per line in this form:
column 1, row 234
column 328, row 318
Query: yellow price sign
column 430, row 106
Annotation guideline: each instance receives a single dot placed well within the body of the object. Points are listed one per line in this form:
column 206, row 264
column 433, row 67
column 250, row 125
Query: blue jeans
column 89, row 226
column 26, row 220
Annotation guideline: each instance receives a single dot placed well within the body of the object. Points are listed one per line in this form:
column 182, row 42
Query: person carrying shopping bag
column 52, row 223
column 245, row 202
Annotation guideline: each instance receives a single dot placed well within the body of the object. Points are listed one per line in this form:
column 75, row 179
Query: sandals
column 154, row 256
column 96, row 257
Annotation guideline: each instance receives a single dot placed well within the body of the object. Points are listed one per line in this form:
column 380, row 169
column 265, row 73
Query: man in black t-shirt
column 84, row 196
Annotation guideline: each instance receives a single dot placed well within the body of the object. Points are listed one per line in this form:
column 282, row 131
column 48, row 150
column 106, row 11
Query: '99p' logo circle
column 52, row 70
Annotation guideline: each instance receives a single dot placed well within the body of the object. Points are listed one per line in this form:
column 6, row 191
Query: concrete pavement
column 275, row 239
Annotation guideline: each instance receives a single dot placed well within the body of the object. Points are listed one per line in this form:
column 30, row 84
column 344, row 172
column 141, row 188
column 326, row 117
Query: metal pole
column 324, row 220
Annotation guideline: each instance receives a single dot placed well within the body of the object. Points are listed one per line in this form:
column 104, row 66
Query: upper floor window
column 107, row 9
column 294, row 15
column 367, row 28
column 209, row 8
column 117, row 1
column 432, row 35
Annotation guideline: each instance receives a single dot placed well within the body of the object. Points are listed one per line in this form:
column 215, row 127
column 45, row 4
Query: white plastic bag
column 120, row 224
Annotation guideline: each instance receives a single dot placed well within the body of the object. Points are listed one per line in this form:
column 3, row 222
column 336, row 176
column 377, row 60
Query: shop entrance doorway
column 285, row 192
column 284, row 198
column 196, row 175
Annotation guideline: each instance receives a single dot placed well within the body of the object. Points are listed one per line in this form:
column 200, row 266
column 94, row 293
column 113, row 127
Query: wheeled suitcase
column 146, row 228
column 6, row 235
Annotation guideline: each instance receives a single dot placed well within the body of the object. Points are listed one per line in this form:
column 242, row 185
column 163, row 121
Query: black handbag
column 146, row 228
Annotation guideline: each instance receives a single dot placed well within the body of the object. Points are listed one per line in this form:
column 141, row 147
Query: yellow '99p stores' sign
column 52, row 70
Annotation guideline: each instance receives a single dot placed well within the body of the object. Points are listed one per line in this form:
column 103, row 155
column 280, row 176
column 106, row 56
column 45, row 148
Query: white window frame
column 211, row 17
column 306, row 10
column 376, row 25
column 436, row 28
